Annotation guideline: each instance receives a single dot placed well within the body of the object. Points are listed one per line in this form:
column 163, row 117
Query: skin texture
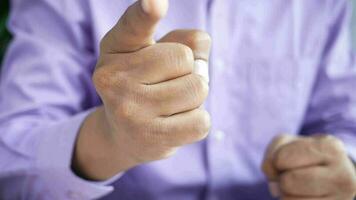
column 151, row 97
column 309, row 168
column 152, row 106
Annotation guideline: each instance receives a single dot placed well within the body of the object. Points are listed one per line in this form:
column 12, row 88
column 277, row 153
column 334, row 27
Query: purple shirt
column 277, row 67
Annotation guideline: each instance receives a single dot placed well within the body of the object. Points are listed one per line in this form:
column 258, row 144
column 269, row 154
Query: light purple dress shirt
column 277, row 67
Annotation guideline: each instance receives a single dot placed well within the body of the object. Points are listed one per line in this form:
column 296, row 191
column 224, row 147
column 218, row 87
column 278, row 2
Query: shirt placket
column 218, row 153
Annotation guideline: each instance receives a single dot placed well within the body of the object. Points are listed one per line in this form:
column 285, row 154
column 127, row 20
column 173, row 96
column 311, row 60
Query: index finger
column 268, row 162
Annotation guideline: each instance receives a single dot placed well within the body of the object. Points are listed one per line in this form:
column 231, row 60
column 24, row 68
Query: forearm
column 44, row 152
column 96, row 155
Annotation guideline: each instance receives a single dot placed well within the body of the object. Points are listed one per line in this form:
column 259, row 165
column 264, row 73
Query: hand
column 152, row 97
column 309, row 168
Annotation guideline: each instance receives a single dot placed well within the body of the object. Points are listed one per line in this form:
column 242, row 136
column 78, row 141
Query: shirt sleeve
column 45, row 94
column 332, row 105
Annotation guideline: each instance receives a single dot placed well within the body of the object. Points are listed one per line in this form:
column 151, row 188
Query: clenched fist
column 151, row 94
column 309, row 168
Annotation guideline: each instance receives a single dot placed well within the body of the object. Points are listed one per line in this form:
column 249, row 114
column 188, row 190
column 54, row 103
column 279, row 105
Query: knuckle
column 101, row 78
column 178, row 57
column 327, row 139
column 106, row 77
column 199, row 87
column 280, row 158
column 333, row 144
column 126, row 110
column 280, row 138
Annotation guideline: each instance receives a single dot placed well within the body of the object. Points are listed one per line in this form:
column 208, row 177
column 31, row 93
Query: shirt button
column 219, row 135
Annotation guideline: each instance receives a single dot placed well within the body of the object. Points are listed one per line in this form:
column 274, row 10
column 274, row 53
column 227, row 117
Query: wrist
column 96, row 155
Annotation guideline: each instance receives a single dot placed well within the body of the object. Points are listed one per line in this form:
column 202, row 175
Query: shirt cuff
column 54, row 158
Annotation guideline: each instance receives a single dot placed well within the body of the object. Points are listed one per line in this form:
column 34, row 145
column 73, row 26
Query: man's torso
column 264, row 63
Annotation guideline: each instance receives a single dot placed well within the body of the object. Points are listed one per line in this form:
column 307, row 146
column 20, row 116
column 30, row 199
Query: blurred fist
column 152, row 97
column 309, row 168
